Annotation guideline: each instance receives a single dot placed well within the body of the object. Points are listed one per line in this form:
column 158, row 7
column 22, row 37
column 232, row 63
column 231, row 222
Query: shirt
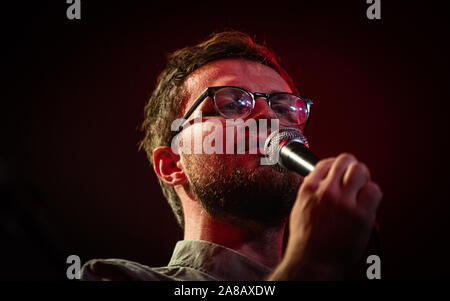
column 192, row 260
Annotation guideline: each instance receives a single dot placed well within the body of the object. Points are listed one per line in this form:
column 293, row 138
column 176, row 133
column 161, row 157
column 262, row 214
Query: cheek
column 212, row 143
column 203, row 149
column 217, row 136
column 205, row 138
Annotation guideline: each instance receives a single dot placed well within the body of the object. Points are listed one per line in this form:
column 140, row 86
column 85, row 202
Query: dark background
column 72, row 180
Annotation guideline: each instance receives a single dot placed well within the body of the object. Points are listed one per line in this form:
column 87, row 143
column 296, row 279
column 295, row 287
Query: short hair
column 166, row 102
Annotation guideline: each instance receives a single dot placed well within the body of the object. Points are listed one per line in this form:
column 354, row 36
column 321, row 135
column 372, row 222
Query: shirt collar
column 219, row 262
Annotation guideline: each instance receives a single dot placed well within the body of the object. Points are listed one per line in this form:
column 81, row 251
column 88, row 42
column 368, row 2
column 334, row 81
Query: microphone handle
column 295, row 156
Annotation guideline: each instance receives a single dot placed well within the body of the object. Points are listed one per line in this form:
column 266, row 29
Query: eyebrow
column 269, row 92
column 277, row 91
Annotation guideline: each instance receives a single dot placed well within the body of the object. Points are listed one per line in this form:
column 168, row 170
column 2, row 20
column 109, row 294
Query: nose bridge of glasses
column 262, row 109
column 261, row 95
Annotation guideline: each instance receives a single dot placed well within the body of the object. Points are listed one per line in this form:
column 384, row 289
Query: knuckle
column 360, row 169
column 374, row 191
column 357, row 173
column 363, row 167
column 370, row 199
column 325, row 163
column 346, row 157
column 377, row 191
column 343, row 161
column 309, row 185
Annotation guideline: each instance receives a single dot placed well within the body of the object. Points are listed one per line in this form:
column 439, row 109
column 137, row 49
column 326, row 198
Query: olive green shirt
column 192, row 260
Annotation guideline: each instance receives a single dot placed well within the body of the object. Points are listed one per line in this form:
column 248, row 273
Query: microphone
column 290, row 150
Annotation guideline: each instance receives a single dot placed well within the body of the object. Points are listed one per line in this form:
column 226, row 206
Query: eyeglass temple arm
column 196, row 104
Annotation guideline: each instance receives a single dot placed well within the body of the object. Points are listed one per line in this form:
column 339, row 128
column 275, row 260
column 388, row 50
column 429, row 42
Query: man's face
column 236, row 187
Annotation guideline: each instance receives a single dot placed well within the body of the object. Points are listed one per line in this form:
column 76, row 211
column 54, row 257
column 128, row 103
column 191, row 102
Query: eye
column 233, row 103
column 230, row 106
column 280, row 110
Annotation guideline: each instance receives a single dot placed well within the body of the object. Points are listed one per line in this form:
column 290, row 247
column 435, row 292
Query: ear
column 168, row 166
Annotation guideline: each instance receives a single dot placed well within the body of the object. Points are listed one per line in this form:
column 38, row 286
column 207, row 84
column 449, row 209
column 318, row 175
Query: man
column 233, row 209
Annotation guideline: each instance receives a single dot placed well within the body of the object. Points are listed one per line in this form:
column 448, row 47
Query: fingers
column 321, row 170
column 339, row 167
column 346, row 179
column 311, row 182
column 369, row 197
column 332, row 185
column 348, row 176
column 355, row 177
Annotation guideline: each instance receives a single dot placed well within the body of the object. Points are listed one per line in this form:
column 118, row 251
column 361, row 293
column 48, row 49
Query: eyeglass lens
column 236, row 103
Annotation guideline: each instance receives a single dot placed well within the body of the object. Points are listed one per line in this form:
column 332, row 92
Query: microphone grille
column 274, row 141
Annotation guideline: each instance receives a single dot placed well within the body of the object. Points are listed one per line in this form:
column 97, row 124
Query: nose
column 262, row 110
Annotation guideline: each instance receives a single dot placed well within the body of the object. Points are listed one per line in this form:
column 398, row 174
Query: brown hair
column 165, row 103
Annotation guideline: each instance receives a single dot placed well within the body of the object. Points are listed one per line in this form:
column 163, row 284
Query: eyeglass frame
column 211, row 93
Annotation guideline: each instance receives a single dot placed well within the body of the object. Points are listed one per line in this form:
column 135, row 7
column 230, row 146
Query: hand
column 331, row 221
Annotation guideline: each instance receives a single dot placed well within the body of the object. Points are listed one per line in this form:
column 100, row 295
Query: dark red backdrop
column 73, row 181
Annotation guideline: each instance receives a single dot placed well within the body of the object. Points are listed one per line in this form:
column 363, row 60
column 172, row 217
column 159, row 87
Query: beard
column 238, row 194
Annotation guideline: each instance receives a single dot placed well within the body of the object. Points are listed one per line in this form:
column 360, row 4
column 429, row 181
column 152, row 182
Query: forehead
column 250, row 75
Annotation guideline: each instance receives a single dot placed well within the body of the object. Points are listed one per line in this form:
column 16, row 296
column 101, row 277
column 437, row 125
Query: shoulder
column 120, row 270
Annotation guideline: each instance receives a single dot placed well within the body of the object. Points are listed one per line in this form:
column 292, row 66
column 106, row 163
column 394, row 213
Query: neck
column 260, row 243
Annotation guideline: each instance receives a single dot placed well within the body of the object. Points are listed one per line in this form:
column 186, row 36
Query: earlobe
column 168, row 166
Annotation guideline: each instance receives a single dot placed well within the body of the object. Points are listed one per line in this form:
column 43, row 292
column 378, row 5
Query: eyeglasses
column 234, row 102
